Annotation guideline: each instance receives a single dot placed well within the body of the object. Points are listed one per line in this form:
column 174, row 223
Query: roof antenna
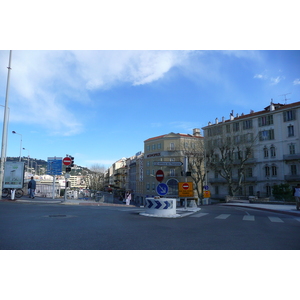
column 285, row 99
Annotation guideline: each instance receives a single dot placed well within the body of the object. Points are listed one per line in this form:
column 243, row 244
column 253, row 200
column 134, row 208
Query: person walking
column 297, row 196
column 32, row 187
column 128, row 198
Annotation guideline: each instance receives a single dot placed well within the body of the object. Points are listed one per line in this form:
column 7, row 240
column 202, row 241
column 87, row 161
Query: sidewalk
column 278, row 208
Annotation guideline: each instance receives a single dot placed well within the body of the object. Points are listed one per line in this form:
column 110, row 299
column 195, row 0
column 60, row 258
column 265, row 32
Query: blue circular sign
column 162, row 189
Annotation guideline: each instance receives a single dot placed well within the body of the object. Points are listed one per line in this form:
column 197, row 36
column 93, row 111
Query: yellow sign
column 186, row 189
column 206, row 194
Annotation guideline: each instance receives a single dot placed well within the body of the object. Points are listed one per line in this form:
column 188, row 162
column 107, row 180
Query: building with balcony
column 275, row 155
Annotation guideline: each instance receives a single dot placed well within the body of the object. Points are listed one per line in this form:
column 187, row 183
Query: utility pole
column 4, row 132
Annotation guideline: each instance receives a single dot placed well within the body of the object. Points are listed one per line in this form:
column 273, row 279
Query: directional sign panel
column 54, row 166
column 185, row 189
column 159, row 204
column 162, row 189
column 168, row 163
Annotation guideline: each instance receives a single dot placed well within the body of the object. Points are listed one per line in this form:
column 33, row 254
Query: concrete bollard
column 160, row 207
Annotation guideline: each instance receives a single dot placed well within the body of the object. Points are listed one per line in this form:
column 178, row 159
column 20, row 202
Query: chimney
column 223, row 119
column 209, row 123
column 196, row 132
column 217, row 121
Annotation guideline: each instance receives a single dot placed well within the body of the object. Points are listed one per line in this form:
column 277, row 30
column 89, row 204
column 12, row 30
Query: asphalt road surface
column 54, row 227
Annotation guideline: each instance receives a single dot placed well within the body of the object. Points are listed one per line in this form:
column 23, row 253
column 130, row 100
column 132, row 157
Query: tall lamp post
column 20, row 144
column 4, row 132
column 28, row 160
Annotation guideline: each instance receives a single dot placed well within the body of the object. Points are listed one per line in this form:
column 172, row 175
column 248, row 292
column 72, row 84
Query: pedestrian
column 29, row 185
column 32, row 187
column 297, row 196
column 128, row 198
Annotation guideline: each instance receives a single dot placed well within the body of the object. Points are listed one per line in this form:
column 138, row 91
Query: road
column 53, row 226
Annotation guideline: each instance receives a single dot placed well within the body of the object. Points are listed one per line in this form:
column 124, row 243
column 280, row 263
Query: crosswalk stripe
column 222, row 216
column 248, row 218
column 275, row 219
column 199, row 215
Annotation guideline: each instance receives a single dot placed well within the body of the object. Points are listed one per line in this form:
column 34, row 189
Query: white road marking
column 275, row 219
column 248, row 218
column 199, row 215
column 222, row 216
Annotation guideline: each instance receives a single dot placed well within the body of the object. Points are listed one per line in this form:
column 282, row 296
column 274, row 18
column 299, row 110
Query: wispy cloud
column 276, row 80
column 296, row 81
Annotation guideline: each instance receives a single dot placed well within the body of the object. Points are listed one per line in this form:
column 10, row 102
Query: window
column 247, row 124
column 293, row 169
column 266, row 120
column 216, row 174
column 148, row 172
column 290, row 130
column 266, row 152
column 267, row 171
column 274, row 171
column 289, row 115
column 172, row 172
column 251, row 190
column 266, row 135
column 236, row 126
column 216, row 190
column 237, row 139
column 172, row 146
column 249, row 172
column 153, row 186
column 153, row 147
column 292, row 148
column 268, row 190
column 228, row 128
column 273, row 151
column 148, row 148
column 148, row 186
column 159, row 146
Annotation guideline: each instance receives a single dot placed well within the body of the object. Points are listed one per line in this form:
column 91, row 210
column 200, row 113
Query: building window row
column 265, row 120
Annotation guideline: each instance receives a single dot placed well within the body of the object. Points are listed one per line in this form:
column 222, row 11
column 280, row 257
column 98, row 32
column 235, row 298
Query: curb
column 268, row 209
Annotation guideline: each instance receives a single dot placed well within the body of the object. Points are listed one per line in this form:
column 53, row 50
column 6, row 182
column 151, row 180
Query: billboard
column 13, row 174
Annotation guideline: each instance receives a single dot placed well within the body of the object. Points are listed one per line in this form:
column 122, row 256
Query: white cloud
column 296, row 81
column 259, row 76
column 276, row 80
column 47, row 83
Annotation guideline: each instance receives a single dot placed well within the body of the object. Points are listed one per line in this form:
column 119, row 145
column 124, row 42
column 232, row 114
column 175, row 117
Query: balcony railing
column 291, row 157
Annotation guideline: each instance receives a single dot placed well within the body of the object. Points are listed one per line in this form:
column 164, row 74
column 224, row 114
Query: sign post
column 54, row 167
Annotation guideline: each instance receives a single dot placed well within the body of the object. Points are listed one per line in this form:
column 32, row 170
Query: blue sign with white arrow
column 162, row 189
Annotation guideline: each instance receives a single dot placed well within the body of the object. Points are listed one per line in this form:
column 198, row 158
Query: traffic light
column 72, row 163
column 68, row 169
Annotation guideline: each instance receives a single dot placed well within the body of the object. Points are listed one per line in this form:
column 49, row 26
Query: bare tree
column 227, row 156
column 195, row 154
column 95, row 178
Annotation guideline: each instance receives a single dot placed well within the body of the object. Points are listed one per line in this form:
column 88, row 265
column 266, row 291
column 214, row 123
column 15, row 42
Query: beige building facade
column 275, row 158
column 166, row 153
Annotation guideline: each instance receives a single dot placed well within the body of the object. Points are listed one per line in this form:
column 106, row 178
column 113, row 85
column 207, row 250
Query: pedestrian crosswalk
column 243, row 218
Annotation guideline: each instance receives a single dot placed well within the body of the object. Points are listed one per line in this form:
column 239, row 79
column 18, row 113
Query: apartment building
column 275, row 155
column 166, row 153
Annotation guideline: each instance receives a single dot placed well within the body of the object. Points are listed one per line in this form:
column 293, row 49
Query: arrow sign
column 158, row 204
column 150, row 204
column 162, row 189
column 167, row 204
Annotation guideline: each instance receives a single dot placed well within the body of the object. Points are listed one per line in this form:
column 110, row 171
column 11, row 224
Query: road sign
column 159, row 175
column 185, row 189
column 206, row 187
column 67, row 161
column 54, row 165
column 162, row 189
column 206, row 194
column 168, row 163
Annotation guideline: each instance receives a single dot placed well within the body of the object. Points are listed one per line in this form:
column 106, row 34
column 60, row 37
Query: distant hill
column 42, row 166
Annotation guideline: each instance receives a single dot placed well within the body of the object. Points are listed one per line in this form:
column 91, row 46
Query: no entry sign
column 67, row 161
column 185, row 189
column 159, row 175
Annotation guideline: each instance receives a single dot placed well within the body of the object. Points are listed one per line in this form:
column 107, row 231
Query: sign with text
column 13, row 174
column 185, row 189
column 54, row 166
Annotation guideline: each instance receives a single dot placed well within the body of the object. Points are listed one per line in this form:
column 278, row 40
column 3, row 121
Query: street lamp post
column 4, row 132
column 20, row 144
column 28, row 160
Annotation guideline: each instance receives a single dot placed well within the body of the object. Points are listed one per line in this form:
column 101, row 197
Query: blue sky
column 100, row 106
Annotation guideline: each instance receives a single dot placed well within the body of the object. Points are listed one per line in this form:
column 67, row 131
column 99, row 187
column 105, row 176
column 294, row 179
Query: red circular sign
column 185, row 186
column 67, row 161
column 159, row 175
